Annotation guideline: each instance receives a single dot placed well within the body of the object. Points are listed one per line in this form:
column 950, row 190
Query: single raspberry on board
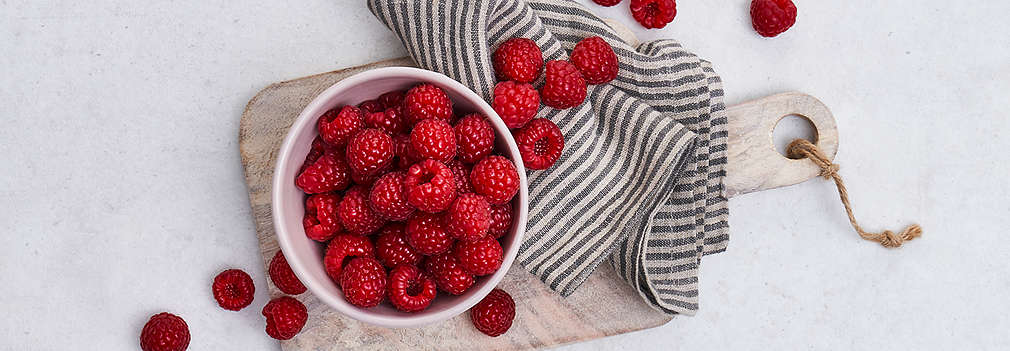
column 518, row 59
column 540, row 143
column 461, row 173
column 410, row 290
column 285, row 317
column 164, row 332
column 653, row 13
column 501, row 220
column 427, row 101
column 233, row 289
column 564, row 86
column 356, row 214
column 595, row 59
column 391, row 247
column 392, row 99
column 772, row 17
column 449, row 275
column 516, row 103
column 391, row 120
column 469, row 217
column 430, row 186
column 283, row 277
column 426, row 233
column 321, row 222
column 342, row 249
column 474, row 138
column 607, row 3
column 496, row 178
column 388, row 197
column 434, row 139
column 363, row 281
column 494, row 314
column 370, row 151
column 479, row 257
column 328, row 173
column 370, row 106
column 338, row 126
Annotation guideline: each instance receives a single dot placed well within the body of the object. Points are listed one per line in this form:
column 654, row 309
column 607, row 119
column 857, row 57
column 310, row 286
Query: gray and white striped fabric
column 640, row 180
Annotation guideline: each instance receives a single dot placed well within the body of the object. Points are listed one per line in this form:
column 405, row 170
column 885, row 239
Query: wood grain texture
column 604, row 305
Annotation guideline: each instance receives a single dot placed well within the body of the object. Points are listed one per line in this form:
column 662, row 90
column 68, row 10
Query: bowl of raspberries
column 399, row 197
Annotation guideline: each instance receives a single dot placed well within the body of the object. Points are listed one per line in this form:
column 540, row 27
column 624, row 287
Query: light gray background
column 122, row 193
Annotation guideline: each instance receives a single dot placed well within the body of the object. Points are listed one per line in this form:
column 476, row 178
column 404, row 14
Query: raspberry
column 607, row 3
column 518, row 59
column 405, row 155
column 410, row 290
column 479, row 257
column 427, row 235
column 564, row 86
column 496, row 178
column 392, row 99
column 540, row 143
column 285, row 317
column 474, row 138
column 653, row 13
column 370, row 106
column 283, row 277
column 337, row 127
column 328, row 173
column 321, row 222
column 369, row 151
column 391, row 120
column 356, row 214
column 772, row 17
column 595, row 59
column 448, row 274
column 515, row 103
column 434, row 139
column 501, row 220
column 388, row 198
column 319, row 147
column 363, row 282
column 494, row 314
column 342, row 249
column 430, row 186
column 164, row 332
column 461, row 173
column 427, row 101
column 233, row 289
column 391, row 247
column 469, row 217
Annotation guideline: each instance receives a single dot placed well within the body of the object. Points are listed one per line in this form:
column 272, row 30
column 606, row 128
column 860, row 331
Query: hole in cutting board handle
column 792, row 127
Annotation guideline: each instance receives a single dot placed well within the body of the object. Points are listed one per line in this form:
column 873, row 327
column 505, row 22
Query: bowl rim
column 307, row 117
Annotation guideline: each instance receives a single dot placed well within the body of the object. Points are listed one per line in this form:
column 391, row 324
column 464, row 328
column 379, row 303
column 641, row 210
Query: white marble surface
column 122, row 193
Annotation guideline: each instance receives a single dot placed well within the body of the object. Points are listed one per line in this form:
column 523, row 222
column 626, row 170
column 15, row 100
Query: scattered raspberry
column 363, row 281
column 496, row 178
column 653, row 13
column 405, row 155
column 391, row 247
column 461, row 173
column 342, row 249
column 164, row 332
column 369, row 151
column 515, row 103
column 233, row 289
column 540, row 143
column 494, row 314
column 607, row 3
column 283, row 277
column 389, row 199
column 391, row 120
column 501, row 220
column 370, row 106
column 356, row 214
column 772, row 17
column 448, row 274
column 285, row 317
column 595, row 59
column 518, row 59
column 479, row 257
column 427, row 235
column 392, row 99
column 469, row 217
column 337, row 127
column 427, row 101
column 474, row 138
column 430, row 186
column 434, row 139
column 321, row 222
column 410, row 290
column 564, row 86
column 328, row 173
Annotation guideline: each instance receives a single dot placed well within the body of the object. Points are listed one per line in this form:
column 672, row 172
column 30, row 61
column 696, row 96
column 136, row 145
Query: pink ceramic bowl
column 306, row 256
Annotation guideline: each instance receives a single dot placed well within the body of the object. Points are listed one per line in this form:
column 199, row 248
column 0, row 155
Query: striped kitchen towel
column 640, row 180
